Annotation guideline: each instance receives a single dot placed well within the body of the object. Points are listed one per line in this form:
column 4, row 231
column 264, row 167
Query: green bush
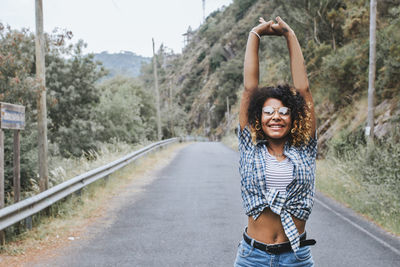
column 217, row 56
column 125, row 112
column 344, row 73
column 346, row 142
column 388, row 57
column 201, row 56
column 240, row 8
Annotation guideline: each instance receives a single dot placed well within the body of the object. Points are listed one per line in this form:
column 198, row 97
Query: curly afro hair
column 300, row 132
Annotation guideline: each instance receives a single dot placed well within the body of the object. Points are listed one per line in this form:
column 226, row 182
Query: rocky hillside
column 206, row 79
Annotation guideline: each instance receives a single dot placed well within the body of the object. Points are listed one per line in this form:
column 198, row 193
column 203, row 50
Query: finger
column 262, row 20
column 269, row 23
column 279, row 20
column 276, row 27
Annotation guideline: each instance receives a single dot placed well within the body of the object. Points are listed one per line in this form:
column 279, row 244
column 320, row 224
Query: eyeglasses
column 283, row 112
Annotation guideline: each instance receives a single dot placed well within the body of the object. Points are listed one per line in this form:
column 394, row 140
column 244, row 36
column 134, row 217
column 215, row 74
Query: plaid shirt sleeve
column 311, row 148
column 244, row 136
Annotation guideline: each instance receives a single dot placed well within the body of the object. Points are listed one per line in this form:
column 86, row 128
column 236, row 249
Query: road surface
column 191, row 215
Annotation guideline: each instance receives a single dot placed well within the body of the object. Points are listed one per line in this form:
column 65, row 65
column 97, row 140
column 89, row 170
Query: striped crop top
column 278, row 174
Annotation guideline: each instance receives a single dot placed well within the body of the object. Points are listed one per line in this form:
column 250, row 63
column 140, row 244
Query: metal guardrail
column 32, row 205
column 190, row 138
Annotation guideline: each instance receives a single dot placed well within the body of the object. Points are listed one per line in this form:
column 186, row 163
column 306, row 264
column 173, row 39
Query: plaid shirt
column 298, row 199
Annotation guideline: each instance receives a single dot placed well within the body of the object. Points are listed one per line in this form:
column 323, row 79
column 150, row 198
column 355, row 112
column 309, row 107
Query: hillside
column 334, row 38
column 124, row 63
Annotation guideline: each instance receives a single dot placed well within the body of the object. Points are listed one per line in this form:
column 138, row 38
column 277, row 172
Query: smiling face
column 275, row 126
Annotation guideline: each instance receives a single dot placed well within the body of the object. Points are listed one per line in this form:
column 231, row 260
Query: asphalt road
column 191, row 214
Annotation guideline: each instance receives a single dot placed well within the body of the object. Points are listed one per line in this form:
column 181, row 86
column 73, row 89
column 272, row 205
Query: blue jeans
column 248, row 256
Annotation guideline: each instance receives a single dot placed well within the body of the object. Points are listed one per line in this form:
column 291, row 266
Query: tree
column 72, row 87
column 125, row 112
column 71, row 95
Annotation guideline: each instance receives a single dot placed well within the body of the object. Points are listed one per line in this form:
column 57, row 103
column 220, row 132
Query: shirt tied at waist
column 276, row 201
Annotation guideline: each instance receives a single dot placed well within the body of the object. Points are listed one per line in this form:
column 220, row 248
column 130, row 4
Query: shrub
column 344, row 73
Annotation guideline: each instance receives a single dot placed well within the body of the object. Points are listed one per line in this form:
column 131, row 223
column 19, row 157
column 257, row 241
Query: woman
column 278, row 147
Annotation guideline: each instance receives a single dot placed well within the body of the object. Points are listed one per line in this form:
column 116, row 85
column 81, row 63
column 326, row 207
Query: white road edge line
column 359, row 227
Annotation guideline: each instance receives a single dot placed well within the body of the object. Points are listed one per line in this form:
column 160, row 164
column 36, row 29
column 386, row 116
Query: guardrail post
column 28, row 223
column 79, row 192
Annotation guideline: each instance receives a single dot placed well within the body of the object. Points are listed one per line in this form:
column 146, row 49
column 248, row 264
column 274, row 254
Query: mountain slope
column 207, row 76
column 124, row 63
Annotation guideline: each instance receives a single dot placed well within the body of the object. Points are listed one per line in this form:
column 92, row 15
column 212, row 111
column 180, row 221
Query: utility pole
column 227, row 110
column 157, row 93
column 369, row 131
column 170, row 110
column 42, row 110
column 204, row 10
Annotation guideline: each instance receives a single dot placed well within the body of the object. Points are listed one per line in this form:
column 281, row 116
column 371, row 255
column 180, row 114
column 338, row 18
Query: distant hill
column 125, row 63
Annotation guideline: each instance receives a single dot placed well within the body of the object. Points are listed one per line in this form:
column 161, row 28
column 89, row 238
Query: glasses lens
column 268, row 110
column 284, row 111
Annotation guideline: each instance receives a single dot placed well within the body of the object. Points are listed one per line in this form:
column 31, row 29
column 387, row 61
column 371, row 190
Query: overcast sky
column 114, row 25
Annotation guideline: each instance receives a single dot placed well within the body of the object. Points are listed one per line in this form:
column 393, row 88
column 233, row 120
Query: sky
column 114, row 25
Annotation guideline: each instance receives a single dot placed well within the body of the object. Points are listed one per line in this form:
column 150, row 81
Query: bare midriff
column 268, row 229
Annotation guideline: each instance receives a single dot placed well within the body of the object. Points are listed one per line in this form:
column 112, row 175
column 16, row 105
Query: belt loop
column 252, row 243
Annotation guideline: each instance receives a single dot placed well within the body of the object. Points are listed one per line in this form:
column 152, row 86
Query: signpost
column 11, row 117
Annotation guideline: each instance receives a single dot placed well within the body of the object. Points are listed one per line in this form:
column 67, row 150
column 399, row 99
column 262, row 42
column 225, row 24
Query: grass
column 62, row 169
column 377, row 202
column 231, row 141
column 70, row 217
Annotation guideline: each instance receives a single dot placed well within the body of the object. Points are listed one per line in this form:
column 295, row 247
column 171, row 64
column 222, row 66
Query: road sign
column 12, row 116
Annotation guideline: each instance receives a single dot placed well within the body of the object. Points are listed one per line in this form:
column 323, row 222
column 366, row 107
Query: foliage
column 366, row 178
column 125, row 112
column 240, row 7
column 70, row 79
column 315, row 20
column 345, row 73
column 217, row 56
column 346, row 142
column 172, row 105
column 388, row 56
column 356, row 24
column 211, row 31
column 71, row 84
column 231, row 78
column 18, row 86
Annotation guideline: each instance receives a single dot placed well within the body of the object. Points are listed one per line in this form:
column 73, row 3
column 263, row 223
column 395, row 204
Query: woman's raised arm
column 251, row 67
column 297, row 66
